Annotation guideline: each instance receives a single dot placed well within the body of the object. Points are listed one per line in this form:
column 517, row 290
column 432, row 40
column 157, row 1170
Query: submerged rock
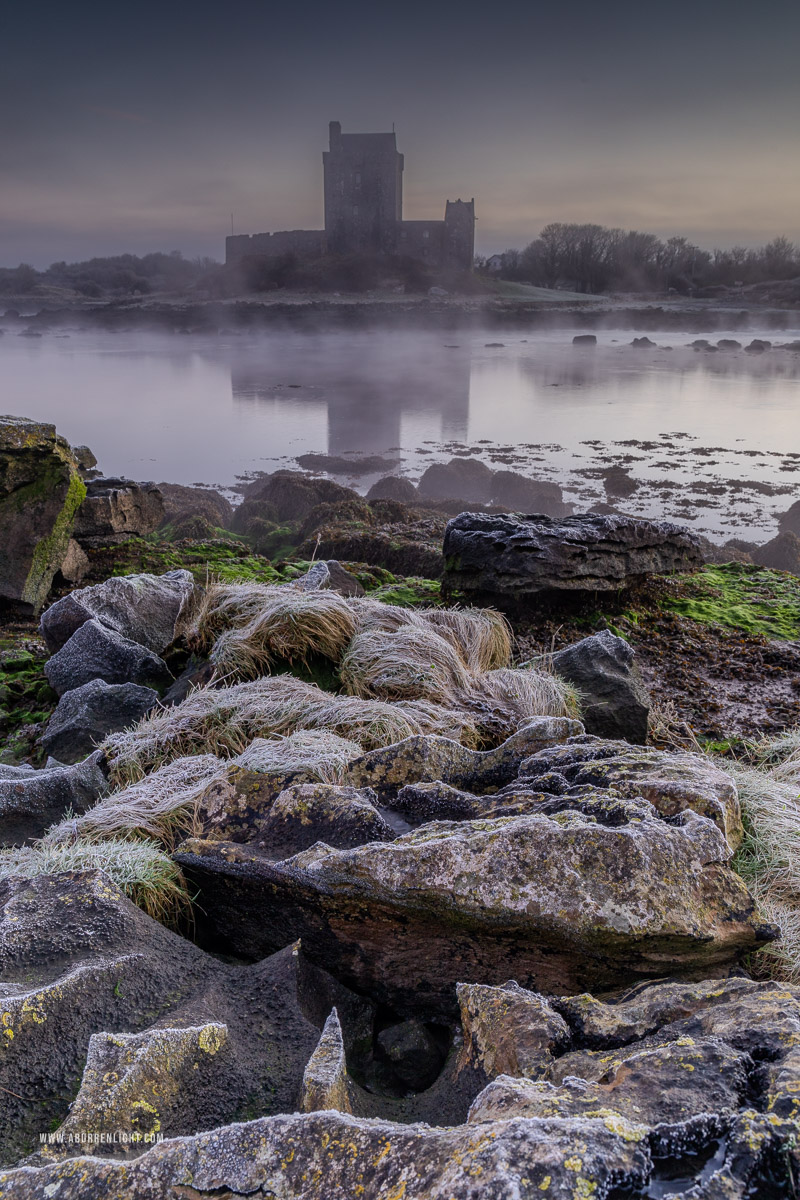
column 85, row 715
column 511, row 557
column 143, row 608
column 614, row 700
column 40, row 493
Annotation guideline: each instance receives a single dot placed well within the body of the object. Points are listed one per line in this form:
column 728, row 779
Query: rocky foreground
column 324, row 896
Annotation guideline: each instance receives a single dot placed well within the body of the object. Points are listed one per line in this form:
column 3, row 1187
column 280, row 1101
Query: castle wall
column 423, row 240
column 305, row 243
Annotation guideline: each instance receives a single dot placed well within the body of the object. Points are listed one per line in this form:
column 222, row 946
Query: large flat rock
column 511, row 557
column 592, row 896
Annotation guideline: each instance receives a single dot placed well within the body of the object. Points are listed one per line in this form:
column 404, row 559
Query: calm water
column 209, row 410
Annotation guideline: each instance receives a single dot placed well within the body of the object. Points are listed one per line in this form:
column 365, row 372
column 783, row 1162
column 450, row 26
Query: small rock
column 584, row 339
column 758, row 346
column 415, row 1055
column 85, row 715
column 76, row 563
column 643, row 343
column 96, row 652
column 33, row 800
column 143, row 608
column 614, row 700
column 780, row 554
column 461, row 478
column 85, row 459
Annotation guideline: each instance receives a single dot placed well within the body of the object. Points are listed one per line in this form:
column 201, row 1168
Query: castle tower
column 459, row 234
column 363, row 192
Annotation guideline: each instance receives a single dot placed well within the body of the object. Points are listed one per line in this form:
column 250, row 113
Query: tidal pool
column 721, row 431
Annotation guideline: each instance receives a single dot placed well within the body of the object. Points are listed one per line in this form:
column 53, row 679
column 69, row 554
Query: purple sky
column 143, row 127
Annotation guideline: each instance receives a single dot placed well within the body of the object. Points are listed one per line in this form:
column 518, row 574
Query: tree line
column 594, row 258
column 119, row 275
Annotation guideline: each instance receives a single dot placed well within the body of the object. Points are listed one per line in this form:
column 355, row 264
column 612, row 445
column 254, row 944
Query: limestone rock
column 671, row 781
column 565, row 902
column 33, row 800
column 289, row 1155
column 97, row 652
column 137, row 1084
column 394, row 487
column 325, row 1084
column 144, row 608
column 85, row 715
column 258, row 807
column 513, row 557
column 40, row 493
column 510, row 1031
column 614, row 700
column 181, row 502
column 428, row 758
column 117, row 509
column 329, row 576
column 77, row 958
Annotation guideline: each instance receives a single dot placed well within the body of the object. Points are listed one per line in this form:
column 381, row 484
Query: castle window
column 426, row 233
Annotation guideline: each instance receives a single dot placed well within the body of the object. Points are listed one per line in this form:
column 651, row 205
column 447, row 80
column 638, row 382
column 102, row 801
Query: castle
column 364, row 212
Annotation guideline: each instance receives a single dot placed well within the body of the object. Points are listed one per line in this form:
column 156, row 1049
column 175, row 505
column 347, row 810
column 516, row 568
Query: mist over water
column 209, row 410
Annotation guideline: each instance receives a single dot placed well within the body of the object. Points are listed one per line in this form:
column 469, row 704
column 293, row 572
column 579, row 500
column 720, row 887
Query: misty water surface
column 208, row 410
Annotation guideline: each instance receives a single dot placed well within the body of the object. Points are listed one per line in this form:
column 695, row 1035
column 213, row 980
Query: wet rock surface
column 40, row 493
column 116, row 509
column 512, row 557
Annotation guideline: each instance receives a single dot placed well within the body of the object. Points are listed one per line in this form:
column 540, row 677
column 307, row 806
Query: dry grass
column 481, row 635
column 290, row 625
column 418, row 660
column 222, row 606
column 779, row 755
column 161, row 806
column 140, row 869
column 411, row 663
column 506, row 699
column 224, row 721
column 769, row 861
column 164, row 805
column 318, row 754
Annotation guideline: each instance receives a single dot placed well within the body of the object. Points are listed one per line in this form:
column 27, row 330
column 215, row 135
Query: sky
column 155, row 126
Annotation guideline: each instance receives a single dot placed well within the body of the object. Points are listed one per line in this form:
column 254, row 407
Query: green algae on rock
column 41, row 491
